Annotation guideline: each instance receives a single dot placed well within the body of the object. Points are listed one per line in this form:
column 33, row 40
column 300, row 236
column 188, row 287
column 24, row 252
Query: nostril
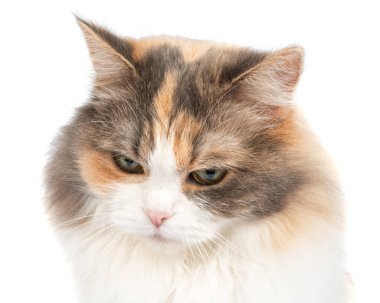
column 157, row 218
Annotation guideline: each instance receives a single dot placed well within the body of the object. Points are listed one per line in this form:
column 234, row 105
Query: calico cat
column 190, row 176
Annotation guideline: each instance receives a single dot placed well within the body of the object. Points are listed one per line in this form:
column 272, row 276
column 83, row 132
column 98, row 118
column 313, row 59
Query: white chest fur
column 116, row 270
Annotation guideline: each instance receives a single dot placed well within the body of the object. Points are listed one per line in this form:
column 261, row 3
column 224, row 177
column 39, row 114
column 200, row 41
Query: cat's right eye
column 128, row 165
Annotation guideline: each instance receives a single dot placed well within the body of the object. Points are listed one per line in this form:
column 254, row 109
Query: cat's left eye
column 207, row 176
column 128, row 165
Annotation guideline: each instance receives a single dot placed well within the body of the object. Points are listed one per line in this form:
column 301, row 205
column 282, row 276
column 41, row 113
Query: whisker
column 68, row 222
column 97, row 233
column 108, row 248
column 236, row 266
column 200, row 253
column 236, row 249
column 85, row 224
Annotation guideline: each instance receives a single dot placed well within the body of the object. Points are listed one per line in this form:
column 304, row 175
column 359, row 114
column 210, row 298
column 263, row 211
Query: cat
column 191, row 176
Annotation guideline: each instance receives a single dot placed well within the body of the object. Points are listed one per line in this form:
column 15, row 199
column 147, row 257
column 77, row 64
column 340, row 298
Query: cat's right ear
column 111, row 55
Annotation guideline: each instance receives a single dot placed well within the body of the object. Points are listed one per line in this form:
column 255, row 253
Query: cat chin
column 165, row 246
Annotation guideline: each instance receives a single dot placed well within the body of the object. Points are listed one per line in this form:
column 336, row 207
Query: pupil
column 129, row 162
column 210, row 172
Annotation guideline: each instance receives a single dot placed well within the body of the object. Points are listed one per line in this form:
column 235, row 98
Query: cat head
column 180, row 139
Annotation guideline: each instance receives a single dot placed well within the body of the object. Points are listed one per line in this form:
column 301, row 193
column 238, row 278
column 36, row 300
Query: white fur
column 116, row 260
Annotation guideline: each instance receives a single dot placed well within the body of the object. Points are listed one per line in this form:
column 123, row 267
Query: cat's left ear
column 111, row 55
column 273, row 80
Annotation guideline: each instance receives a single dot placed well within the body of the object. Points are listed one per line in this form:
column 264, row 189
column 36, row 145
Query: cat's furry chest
column 134, row 273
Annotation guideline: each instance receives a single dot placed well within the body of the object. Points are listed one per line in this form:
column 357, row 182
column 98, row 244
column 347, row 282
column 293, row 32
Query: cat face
column 156, row 205
column 183, row 138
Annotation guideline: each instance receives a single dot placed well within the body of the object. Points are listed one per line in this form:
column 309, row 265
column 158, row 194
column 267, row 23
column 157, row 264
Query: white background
column 44, row 75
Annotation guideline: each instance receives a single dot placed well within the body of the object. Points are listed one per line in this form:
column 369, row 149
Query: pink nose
column 157, row 218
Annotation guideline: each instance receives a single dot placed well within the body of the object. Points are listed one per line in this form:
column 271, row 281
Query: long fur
column 270, row 231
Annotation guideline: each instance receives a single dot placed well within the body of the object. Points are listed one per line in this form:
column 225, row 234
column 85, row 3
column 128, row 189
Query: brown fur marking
column 191, row 49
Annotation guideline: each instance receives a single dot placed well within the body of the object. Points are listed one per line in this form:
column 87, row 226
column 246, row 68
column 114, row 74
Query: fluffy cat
column 190, row 176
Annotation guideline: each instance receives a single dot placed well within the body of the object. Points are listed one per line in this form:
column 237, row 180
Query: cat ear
column 274, row 79
column 111, row 55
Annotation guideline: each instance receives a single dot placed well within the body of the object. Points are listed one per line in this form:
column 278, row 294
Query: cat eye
column 208, row 176
column 128, row 165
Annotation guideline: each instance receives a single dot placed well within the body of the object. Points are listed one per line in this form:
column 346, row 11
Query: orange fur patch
column 99, row 170
column 313, row 206
column 309, row 211
column 163, row 103
column 183, row 132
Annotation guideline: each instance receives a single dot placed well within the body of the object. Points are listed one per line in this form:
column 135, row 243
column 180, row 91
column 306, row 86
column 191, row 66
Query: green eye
column 208, row 176
column 128, row 165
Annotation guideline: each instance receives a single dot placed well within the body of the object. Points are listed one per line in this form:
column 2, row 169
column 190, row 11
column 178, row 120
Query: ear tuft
column 273, row 80
column 111, row 55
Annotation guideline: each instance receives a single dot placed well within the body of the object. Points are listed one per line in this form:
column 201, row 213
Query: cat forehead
column 200, row 71
column 181, row 91
column 199, row 133
column 194, row 74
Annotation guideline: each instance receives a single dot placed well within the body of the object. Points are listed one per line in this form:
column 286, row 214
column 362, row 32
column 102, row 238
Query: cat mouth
column 159, row 238
column 161, row 244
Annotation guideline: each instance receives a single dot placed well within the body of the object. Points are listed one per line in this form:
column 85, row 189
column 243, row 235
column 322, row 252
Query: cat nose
column 157, row 218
